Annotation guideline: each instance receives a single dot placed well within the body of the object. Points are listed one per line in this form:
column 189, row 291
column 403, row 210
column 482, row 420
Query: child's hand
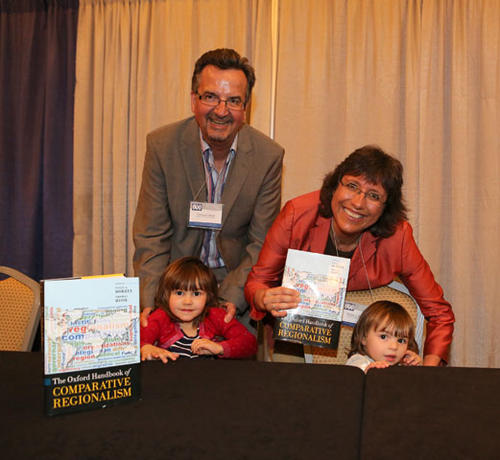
column 149, row 352
column 411, row 359
column 377, row 365
column 206, row 347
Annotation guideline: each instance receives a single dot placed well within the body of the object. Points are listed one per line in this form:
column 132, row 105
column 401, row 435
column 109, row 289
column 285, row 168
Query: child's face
column 187, row 305
column 383, row 345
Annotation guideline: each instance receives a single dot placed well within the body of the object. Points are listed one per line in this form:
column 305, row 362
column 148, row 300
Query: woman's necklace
column 334, row 237
column 332, row 233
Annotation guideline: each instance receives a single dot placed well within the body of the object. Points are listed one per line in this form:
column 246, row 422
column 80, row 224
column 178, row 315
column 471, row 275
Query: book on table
column 322, row 282
column 91, row 342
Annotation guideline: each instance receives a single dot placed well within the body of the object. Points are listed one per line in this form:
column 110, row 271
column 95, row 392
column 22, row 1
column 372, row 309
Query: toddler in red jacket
column 187, row 321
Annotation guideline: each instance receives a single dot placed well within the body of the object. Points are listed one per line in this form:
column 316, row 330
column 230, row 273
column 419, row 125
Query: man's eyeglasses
column 212, row 100
column 372, row 197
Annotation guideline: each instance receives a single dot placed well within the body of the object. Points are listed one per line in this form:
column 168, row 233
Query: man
column 211, row 185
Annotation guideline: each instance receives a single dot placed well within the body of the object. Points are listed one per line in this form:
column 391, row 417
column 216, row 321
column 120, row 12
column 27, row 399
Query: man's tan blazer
column 174, row 175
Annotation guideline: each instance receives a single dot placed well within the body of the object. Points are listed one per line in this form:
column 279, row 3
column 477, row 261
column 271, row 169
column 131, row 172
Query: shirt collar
column 205, row 146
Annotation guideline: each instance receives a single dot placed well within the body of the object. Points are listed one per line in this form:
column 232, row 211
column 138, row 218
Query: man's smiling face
column 219, row 125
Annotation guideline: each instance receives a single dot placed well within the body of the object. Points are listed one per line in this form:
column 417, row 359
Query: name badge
column 205, row 215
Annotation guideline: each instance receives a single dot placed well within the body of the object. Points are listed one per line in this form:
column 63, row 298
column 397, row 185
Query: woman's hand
column 276, row 300
column 206, row 347
column 432, row 360
column 411, row 359
column 150, row 352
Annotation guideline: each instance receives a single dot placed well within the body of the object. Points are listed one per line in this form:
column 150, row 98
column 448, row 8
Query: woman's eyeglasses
column 371, row 196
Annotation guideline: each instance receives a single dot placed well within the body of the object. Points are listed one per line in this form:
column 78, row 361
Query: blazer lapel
column 238, row 172
column 190, row 151
column 319, row 235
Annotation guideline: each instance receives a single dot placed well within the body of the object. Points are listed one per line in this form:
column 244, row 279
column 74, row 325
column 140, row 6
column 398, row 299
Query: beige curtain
column 421, row 78
column 133, row 74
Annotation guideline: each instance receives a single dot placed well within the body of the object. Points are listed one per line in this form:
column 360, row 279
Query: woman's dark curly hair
column 378, row 168
column 187, row 274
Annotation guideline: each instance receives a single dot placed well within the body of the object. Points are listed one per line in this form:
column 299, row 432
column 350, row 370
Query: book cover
column 321, row 281
column 352, row 312
column 91, row 342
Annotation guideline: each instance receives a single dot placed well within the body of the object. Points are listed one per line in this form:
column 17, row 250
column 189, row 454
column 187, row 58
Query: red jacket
column 163, row 332
column 299, row 226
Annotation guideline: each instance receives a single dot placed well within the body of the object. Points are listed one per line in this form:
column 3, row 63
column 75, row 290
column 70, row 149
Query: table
column 218, row 409
column 431, row 413
column 191, row 409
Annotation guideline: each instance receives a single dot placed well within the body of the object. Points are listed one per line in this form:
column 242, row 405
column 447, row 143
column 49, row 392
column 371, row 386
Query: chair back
column 395, row 292
column 20, row 310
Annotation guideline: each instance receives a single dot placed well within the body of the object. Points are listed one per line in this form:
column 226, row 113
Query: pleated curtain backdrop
column 422, row 80
column 134, row 65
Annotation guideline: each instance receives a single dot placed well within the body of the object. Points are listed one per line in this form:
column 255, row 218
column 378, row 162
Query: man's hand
column 277, row 300
column 206, row 347
column 144, row 316
column 150, row 352
column 230, row 310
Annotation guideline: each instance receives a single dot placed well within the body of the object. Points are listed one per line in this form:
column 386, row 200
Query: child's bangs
column 192, row 279
column 397, row 324
column 188, row 285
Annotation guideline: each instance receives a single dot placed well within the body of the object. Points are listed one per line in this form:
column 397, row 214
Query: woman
column 358, row 213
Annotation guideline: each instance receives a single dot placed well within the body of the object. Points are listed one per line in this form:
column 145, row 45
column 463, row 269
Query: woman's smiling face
column 355, row 207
